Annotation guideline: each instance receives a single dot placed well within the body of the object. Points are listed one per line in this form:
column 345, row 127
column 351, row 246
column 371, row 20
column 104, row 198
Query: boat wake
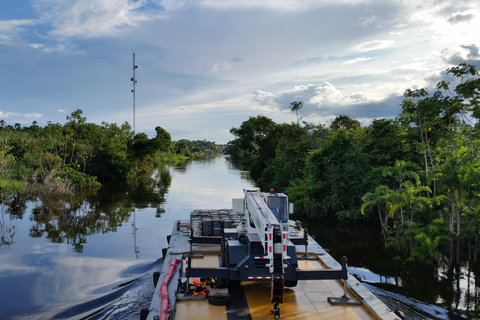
column 124, row 301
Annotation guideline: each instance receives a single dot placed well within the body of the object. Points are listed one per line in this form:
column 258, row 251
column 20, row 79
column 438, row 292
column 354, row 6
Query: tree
column 386, row 143
column 457, row 173
column 292, row 148
column 337, row 175
column 400, row 171
column 344, row 123
column 181, row 147
column 163, row 140
column 255, row 143
column 408, row 197
column 295, row 106
column 379, row 198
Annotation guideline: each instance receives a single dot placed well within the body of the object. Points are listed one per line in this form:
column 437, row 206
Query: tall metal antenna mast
column 133, row 90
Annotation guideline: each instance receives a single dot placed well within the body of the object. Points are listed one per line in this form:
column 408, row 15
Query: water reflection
column 7, row 227
column 72, row 222
column 12, row 208
column 424, row 292
column 75, row 259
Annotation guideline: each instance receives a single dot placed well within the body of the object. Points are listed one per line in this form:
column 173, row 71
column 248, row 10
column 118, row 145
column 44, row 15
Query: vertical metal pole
column 134, row 81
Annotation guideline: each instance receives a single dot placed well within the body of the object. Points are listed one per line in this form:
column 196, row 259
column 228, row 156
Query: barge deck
column 309, row 299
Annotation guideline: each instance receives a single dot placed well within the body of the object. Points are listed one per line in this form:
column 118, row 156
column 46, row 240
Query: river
column 94, row 259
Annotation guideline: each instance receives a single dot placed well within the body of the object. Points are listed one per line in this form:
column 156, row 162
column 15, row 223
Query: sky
column 205, row 66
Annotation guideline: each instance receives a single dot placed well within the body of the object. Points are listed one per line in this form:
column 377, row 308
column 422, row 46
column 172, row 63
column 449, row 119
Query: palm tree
column 410, row 199
column 379, row 198
column 400, row 171
column 457, row 174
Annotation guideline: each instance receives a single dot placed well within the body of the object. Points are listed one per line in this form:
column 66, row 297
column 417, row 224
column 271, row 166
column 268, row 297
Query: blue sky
column 205, row 66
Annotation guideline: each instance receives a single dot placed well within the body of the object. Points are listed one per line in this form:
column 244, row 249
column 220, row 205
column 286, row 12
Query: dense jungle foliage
column 416, row 177
column 59, row 161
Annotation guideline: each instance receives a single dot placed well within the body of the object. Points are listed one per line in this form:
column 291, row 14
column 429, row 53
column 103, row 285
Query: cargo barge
column 252, row 262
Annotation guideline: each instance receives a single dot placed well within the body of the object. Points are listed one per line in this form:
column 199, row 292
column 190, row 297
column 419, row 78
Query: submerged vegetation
column 415, row 178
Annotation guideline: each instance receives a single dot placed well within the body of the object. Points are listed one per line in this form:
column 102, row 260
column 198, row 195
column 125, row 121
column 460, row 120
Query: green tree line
column 416, row 178
column 59, row 160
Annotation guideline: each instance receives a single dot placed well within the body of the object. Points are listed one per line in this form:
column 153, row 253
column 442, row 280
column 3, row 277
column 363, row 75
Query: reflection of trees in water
column 72, row 222
column 7, row 230
column 12, row 207
column 452, row 288
column 182, row 166
column 460, row 288
column 151, row 192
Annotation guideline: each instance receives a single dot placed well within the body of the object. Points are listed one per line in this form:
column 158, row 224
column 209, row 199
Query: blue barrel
column 207, row 227
column 217, row 231
column 217, row 223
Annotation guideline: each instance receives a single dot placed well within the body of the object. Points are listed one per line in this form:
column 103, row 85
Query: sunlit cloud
column 356, row 60
column 89, row 18
column 318, row 96
column 372, row 45
column 464, row 53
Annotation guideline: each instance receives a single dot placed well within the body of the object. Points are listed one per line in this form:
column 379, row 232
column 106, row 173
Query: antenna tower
column 133, row 90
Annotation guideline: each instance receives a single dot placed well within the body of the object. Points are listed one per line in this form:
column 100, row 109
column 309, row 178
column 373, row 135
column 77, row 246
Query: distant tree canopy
column 418, row 175
column 84, row 153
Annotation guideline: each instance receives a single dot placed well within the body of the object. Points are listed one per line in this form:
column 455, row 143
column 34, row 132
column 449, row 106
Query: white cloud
column 59, row 47
column 324, row 94
column 317, row 96
column 10, row 29
column 464, row 53
column 356, row 60
column 8, row 114
column 33, row 115
column 37, row 45
column 283, row 5
column 366, row 21
column 221, row 66
column 367, row 46
column 89, row 18
column 264, row 97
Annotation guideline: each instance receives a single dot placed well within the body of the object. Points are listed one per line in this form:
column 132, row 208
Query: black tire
column 144, row 314
column 291, row 283
column 156, row 276
column 219, row 301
